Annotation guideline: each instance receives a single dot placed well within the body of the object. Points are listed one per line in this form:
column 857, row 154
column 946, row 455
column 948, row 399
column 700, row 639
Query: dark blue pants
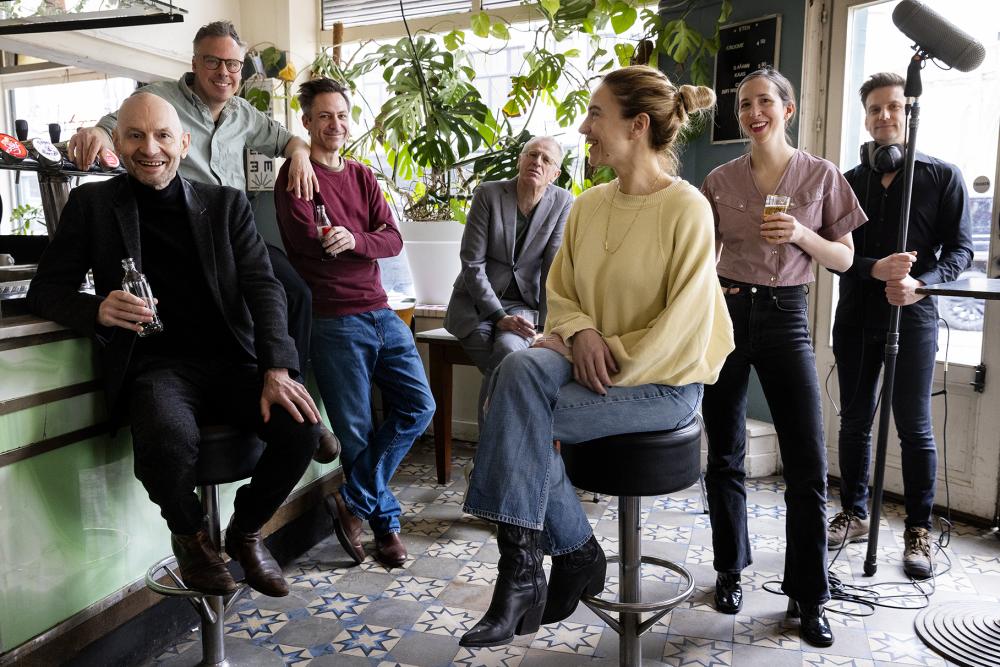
column 860, row 353
column 168, row 398
column 771, row 329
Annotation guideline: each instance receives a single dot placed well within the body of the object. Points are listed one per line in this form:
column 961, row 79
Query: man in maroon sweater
column 356, row 337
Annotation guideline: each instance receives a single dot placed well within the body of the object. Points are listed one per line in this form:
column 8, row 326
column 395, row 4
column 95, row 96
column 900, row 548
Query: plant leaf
column 481, row 24
column 454, row 40
column 622, row 17
column 624, row 53
column 550, row 7
column 499, row 30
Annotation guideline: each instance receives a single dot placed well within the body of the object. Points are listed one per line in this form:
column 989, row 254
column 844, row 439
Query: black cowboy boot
column 519, row 594
column 814, row 629
column 574, row 574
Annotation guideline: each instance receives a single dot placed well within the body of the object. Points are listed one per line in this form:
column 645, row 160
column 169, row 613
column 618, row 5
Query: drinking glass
column 531, row 316
column 776, row 204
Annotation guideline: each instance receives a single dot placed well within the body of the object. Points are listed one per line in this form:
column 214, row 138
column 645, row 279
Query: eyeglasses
column 232, row 65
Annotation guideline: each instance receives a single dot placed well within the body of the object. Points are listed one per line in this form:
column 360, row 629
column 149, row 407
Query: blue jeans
column 519, row 477
column 348, row 354
column 487, row 346
column 771, row 331
column 860, row 353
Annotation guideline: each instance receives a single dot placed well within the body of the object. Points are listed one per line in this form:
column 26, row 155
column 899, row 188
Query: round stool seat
column 636, row 464
column 227, row 454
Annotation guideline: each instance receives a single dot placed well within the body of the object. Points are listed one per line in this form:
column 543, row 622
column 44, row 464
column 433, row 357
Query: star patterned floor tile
column 256, row 624
column 981, row 564
column 446, row 621
column 475, row 572
column 368, row 641
column 901, row 648
column 566, row 637
column 766, row 632
column 695, row 652
column 674, row 534
column 415, row 588
column 496, row 656
column 825, row 660
column 339, row 605
column 462, row 549
column 437, row 609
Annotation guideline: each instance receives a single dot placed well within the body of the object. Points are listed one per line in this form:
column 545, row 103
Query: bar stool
column 632, row 465
column 225, row 455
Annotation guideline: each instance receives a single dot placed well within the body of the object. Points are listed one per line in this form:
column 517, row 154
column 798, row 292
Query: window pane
column 959, row 123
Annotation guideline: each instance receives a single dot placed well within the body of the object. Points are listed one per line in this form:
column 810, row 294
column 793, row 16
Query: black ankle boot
column 813, row 626
column 728, row 593
column 519, row 594
column 574, row 574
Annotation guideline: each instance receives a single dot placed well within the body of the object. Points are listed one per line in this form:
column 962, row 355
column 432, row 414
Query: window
column 366, row 12
column 71, row 105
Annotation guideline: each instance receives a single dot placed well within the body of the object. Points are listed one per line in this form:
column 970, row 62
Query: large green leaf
column 480, row 24
column 623, row 16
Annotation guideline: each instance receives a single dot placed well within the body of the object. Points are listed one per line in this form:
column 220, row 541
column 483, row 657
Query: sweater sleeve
column 688, row 341
column 375, row 243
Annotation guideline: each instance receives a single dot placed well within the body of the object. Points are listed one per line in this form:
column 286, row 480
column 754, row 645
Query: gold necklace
column 607, row 225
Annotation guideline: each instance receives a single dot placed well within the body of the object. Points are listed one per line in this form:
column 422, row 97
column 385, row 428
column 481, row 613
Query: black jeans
column 299, row 298
column 771, row 329
column 168, row 398
column 860, row 352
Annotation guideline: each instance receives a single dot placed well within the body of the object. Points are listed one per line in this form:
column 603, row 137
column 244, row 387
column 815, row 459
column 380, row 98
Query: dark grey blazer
column 488, row 253
column 99, row 227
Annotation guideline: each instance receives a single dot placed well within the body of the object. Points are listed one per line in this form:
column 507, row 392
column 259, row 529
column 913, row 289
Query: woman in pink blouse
column 764, row 266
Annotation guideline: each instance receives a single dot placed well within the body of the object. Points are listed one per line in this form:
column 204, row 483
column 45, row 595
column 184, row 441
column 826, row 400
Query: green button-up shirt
column 216, row 154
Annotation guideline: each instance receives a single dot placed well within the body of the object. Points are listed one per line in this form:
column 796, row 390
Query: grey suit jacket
column 487, row 253
column 100, row 226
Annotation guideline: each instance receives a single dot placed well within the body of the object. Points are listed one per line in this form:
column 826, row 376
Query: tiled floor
column 366, row 615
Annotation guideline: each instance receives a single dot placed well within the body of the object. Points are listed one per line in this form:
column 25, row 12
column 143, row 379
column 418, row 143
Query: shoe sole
column 855, row 540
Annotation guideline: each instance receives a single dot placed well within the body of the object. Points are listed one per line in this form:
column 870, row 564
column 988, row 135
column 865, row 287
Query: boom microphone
column 934, row 34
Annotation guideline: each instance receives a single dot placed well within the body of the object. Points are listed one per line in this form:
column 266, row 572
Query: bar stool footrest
column 602, row 607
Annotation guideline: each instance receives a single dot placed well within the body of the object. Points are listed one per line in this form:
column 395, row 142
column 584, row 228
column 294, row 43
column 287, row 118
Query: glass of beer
column 776, row 204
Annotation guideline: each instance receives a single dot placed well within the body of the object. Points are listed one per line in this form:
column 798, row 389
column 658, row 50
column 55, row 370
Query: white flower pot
column 432, row 249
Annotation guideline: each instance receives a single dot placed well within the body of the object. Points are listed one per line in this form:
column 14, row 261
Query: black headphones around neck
column 882, row 159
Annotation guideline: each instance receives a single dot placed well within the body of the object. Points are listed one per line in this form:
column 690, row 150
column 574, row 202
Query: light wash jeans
column 487, row 346
column 348, row 354
column 518, row 477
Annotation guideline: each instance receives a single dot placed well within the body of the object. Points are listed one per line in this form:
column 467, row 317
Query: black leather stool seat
column 227, row 454
column 637, row 464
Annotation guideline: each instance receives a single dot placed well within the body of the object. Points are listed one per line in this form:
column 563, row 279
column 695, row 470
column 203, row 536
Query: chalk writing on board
column 743, row 48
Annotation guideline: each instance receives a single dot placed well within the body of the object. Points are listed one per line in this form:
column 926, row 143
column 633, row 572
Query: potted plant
column 434, row 140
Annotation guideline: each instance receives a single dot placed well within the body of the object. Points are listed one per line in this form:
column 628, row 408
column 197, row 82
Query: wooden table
column 444, row 351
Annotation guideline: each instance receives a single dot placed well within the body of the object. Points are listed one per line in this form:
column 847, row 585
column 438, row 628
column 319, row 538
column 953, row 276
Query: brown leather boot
column 390, row 550
column 329, row 446
column 261, row 571
column 201, row 567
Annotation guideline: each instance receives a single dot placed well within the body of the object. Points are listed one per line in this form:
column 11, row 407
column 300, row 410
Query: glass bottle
column 323, row 225
column 135, row 283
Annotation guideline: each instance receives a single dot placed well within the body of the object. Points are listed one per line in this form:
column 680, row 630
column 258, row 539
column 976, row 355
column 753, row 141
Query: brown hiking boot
column 201, row 567
column 918, row 559
column 845, row 528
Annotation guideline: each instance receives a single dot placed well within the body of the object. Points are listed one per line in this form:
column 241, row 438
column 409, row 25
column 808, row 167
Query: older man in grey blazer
column 511, row 236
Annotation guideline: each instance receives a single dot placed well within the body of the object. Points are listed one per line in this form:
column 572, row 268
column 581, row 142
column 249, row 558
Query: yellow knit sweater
column 653, row 294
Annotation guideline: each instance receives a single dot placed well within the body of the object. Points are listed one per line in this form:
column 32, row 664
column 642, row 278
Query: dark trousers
column 771, row 329
column 168, row 398
column 299, row 298
column 860, row 352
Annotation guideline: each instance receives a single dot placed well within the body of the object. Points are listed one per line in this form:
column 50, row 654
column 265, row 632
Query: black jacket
column 99, row 227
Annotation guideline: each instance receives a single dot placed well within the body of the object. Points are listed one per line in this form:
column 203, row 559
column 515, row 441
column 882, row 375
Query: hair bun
column 696, row 98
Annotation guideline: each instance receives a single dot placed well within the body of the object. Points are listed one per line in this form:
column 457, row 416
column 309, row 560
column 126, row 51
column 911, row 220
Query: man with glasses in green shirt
column 221, row 126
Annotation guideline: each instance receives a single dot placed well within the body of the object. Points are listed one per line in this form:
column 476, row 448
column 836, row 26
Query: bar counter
column 77, row 531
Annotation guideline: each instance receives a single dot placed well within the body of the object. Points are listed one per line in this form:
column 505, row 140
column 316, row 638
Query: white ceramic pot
column 432, row 249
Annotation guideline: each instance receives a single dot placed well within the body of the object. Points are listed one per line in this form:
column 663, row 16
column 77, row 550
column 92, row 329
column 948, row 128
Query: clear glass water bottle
column 136, row 284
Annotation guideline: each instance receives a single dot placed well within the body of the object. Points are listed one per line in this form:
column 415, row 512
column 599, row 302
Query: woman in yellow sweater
column 636, row 323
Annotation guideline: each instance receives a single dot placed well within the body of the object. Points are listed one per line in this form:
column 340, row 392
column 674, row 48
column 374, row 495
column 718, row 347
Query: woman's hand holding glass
column 593, row 363
column 779, row 228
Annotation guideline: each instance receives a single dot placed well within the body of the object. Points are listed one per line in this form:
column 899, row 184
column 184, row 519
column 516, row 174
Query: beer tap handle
column 55, row 130
column 21, row 129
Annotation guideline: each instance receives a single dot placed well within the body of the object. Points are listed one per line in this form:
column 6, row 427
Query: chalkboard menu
column 743, row 48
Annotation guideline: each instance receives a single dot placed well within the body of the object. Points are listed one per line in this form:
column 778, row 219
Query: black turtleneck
column 193, row 324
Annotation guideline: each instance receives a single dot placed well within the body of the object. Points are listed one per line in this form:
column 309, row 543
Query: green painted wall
column 75, row 524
